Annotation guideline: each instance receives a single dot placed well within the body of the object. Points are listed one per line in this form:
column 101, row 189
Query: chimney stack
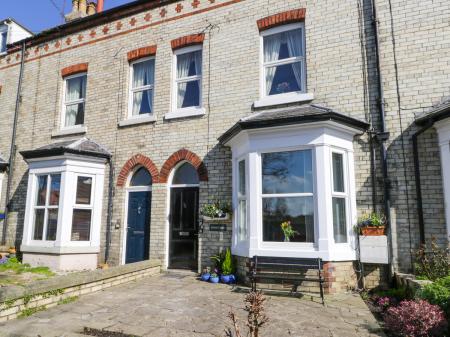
column 81, row 9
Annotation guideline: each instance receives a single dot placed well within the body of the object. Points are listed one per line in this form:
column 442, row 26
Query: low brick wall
column 409, row 282
column 40, row 295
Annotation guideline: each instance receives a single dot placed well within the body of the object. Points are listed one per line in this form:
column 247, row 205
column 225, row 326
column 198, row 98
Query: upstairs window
column 188, row 79
column 74, row 100
column 284, row 60
column 3, row 41
column 142, row 85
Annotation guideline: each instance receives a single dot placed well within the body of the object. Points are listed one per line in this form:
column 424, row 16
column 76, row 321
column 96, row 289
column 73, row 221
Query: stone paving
column 179, row 305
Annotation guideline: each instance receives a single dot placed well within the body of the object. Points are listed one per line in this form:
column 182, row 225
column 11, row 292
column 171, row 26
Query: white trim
column 136, row 120
column 63, row 126
column 185, row 112
column 443, row 130
column 290, row 97
column 74, row 130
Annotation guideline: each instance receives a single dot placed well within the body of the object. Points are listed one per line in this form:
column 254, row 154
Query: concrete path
column 179, row 305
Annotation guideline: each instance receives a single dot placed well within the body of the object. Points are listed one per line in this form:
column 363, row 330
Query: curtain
column 271, row 53
column 184, row 62
column 143, row 74
column 75, row 91
column 293, row 40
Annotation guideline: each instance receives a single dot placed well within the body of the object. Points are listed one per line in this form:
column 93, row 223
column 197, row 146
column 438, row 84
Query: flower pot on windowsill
column 372, row 230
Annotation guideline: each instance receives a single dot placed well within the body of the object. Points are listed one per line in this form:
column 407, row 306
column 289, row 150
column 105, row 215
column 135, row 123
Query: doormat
column 105, row 333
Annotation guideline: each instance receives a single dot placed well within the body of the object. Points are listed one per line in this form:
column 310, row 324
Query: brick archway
column 183, row 155
column 138, row 159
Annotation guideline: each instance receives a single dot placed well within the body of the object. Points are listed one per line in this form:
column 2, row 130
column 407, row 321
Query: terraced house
column 128, row 121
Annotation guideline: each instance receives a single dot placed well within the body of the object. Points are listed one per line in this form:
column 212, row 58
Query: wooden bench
column 293, row 270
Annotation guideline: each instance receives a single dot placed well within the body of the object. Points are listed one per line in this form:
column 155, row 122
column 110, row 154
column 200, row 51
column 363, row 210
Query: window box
column 372, row 231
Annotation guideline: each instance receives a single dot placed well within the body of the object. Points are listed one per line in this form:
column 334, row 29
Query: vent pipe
column 100, row 6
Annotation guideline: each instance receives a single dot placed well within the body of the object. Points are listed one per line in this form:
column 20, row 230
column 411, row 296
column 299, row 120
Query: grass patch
column 68, row 300
column 30, row 311
column 15, row 266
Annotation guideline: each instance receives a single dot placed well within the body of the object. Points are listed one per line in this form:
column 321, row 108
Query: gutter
column 12, row 151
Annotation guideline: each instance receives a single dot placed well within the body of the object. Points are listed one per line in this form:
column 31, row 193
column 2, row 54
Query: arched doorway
column 137, row 226
column 183, row 217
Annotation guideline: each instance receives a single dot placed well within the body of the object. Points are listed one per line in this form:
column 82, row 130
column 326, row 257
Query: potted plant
column 216, row 210
column 214, row 277
column 206, row 274
column 372, row 225
column 288, row 231
column 227, row 268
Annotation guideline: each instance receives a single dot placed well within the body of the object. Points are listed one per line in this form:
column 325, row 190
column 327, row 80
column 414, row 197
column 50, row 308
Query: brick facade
column 341, row 73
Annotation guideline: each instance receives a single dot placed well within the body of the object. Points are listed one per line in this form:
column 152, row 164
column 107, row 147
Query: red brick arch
column 183, row 155
column 137, row 160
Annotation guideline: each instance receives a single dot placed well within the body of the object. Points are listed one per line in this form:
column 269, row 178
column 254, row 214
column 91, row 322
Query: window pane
column 338, row 172
column 143, row 73
column 189, row 64
column 283, row 45
column 242, row 231
column 242, row 177
column 81, row 225
column 74, row 114
column 84, row 187
column 39, row 216
column 339, row 220
column 52, row 224
column 299, row 211
column 55, row 186
column 75, row 88
column 287, row 172
column 3, row 38
column 41, row 190
column 142, row 102
column 284, row 78
column 141, row 178
column 188, row 94
column 186, row 174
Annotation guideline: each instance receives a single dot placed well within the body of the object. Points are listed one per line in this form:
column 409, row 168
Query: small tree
column 256, row 317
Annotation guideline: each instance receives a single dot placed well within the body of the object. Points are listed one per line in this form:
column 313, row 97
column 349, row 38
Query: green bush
column 432, row 262
column 227, row 264
column 438, row 293
column 399, row 294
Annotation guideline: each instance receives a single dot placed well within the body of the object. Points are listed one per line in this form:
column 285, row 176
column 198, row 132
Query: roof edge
column 34, row 154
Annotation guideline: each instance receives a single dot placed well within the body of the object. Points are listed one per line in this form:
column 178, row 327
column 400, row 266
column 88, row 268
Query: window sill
column 186, row 112
column 137, row 120
column 70, row 131
column 283, row 99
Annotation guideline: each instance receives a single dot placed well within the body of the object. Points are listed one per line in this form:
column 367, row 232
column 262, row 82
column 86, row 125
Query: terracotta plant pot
column 12, row 250
column 372, row 231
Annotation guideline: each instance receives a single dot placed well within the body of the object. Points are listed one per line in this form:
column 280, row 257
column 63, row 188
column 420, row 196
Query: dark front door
column 183, row 227
column 138, row 228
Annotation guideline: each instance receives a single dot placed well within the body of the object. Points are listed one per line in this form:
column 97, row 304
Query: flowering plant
column 288, row 231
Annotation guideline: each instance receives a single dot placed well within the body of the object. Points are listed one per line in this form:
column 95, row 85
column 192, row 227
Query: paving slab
column 180, row 305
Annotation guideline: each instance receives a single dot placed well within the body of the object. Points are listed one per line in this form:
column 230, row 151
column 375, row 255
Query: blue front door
column 138, row 229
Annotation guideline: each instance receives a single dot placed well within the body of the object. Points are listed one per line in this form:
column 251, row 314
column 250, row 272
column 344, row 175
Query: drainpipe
column 417, row 180
column 110, row 209
column 383, row 135
column 12, row 151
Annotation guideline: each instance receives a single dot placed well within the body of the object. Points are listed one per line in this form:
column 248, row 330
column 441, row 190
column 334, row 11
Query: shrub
column 438, row 293
column 397, row 293
column 227, row 264
column 432, row 263
column 415, row 319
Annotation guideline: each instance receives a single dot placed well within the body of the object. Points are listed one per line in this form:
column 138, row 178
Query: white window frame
column 77, row 127
column 46, row 207
column 131, row 91
column 189, row 111
column 3, row 31
column 296, row 96
column 270, row 244
column 89, row 206
column 342, row 195
column 241, row 197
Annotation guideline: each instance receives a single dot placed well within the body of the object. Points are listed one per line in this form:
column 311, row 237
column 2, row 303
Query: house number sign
column 216, row 227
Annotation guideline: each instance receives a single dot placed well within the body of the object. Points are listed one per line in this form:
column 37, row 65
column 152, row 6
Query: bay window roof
column 292, row 115
column 435, row 114
column 81, row 147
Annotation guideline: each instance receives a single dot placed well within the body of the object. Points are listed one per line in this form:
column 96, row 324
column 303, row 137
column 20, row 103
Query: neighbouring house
column 10, row 32
column 130, row 120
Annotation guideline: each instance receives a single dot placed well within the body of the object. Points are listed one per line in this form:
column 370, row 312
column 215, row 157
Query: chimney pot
column 100, row 6
column 91, row 8
column 75, row 4
column 82, row 7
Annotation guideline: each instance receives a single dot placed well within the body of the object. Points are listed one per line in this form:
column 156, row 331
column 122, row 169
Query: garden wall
column 40, row 295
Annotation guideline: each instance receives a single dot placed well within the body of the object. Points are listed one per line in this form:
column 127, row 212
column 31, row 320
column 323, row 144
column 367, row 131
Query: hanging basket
column 372, row 230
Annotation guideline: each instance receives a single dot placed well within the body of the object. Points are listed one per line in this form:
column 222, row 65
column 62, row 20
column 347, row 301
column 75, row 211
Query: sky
column 37, row 15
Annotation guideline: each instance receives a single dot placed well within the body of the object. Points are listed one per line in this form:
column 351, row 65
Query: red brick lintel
column 188, row 40
column 295, row 15
column 75, row 69
column 141, row 52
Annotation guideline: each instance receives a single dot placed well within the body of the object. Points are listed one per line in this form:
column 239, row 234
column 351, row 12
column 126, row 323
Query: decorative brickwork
column 141, row 52
column 137, row 160
column 75, row 69
column 188, row 40
column 283, row 18
column 181, row 155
